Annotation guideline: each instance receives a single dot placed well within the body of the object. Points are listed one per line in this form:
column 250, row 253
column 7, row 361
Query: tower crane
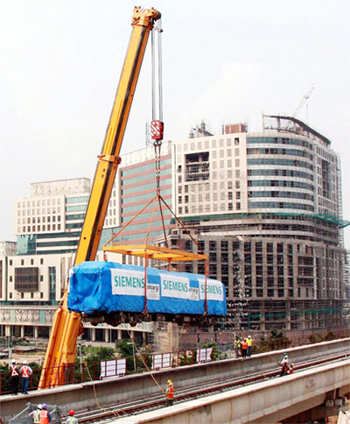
column 303, row 101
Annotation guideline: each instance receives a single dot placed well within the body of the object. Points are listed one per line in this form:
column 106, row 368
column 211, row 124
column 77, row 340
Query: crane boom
column 61, row 350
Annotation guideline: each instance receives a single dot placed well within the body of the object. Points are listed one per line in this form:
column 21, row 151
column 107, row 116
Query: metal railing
column 91, row 371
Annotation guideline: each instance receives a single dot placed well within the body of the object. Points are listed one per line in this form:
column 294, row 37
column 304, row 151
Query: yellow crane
column 61, row 350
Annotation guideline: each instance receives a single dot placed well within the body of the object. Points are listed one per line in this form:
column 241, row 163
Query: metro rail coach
column 108, row 288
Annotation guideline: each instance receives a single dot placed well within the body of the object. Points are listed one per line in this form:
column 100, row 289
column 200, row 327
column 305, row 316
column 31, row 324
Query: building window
column 27, row 279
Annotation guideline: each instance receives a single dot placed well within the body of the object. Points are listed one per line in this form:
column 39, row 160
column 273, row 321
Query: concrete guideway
column 262, row 403
column 123, row 389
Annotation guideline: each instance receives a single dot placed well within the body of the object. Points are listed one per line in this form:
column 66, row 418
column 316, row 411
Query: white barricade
column 113, row 368
column 204, row 354
column 162, row 360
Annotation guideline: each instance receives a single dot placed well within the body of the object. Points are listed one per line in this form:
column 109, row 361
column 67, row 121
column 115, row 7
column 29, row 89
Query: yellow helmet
column 170, row 382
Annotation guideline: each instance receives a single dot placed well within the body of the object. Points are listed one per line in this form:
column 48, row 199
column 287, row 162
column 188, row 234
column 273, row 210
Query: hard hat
column 71, row 412
column 25, row 362
column 170, row 382
column 13, row 361
column 40, row 406
column 44, row 406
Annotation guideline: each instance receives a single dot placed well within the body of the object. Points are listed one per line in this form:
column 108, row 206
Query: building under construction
column 265, row 207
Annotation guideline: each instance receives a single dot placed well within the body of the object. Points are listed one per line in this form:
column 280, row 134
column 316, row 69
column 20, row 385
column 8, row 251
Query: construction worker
column 250, row 344
column 170, row 393
column 35, row 415
column 45, row 416
column 291, row 368
column 71, row 418
column 284, row 365
column 237, row 346
column 14, row 377
column 244, row 347
column 25, row 372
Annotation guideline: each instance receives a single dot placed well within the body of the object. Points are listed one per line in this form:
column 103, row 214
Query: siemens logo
column 130, row 282
column 175, row 285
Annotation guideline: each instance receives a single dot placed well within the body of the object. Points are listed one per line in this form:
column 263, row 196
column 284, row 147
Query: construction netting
column 341, row 223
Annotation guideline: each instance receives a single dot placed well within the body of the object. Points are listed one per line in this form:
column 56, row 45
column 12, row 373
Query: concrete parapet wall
column 262, row 403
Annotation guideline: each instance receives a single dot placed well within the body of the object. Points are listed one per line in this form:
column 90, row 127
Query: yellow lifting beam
column 154, row 252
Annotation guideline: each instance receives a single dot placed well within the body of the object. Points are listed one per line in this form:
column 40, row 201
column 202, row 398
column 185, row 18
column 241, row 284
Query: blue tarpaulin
column 108, row 286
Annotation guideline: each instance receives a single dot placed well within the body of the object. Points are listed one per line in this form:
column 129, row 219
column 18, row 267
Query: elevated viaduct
column 273, row 400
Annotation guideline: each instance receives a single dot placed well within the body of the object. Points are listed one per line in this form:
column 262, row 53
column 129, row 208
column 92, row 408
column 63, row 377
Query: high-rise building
column 49, row 220
column 137, row 179
column 266, row 208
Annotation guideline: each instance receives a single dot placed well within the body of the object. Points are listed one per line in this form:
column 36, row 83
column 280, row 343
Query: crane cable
column 145, row 364
column 157, row 124
column 157, row 130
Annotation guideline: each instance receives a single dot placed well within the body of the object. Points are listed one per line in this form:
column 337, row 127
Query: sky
column 224, row 62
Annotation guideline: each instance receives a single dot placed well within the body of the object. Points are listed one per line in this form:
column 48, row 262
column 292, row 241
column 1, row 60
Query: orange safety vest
column 25, row 371
column 44, row 417
column 13, row 369
column 170, row 392
column 244, row 345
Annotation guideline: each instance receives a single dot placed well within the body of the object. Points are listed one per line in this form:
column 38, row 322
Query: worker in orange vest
column 45, row 416
column 170, row 393
column 25, row 372
column 244, row 348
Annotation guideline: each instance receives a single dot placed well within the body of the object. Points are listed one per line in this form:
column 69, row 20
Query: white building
column 50, row 219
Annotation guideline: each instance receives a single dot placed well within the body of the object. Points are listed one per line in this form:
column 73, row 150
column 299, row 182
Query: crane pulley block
column 157, row 129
